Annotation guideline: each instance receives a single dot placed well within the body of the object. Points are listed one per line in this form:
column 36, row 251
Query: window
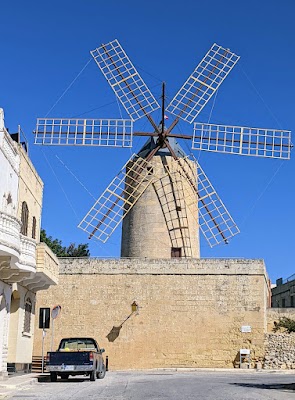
column 28, row 313
column 176, row 252
column 34, row 228
column 292, row 301
column 283, row 303
column 150, row 170
column 24, row 219
column 77, row 344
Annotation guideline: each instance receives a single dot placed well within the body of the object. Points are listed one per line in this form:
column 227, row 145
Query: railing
column 28, row 252
column 289, row 279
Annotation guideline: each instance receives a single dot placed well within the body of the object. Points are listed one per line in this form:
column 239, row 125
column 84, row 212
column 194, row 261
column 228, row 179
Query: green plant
column 62, row 251
column 285, row 323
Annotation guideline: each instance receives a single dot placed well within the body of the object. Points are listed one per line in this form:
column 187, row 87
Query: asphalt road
column 156, row 385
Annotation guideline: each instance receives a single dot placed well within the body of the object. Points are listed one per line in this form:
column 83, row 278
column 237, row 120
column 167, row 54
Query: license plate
column 68, row 367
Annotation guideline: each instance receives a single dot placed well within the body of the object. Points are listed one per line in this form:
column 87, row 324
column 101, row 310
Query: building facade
column 283, row 294
column 25, row 265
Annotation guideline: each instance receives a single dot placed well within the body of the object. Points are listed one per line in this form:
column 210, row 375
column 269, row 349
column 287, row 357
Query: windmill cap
column 151, row 144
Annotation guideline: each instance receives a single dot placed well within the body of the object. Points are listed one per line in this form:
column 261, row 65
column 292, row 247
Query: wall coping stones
column 203, row 266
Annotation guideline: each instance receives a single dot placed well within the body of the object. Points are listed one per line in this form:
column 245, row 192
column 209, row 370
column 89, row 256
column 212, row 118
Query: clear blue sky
column 45, row 45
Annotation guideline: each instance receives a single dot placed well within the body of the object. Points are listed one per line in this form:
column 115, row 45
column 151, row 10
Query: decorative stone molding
column 11, row 276
column 9, row 150
column 10, row 234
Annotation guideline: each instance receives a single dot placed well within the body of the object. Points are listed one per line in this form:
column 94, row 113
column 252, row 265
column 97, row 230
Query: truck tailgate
column 71, row 357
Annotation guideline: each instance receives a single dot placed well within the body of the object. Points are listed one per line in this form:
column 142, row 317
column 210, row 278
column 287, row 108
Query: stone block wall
column 279, row 351
column 190, row 310
column 279, row 347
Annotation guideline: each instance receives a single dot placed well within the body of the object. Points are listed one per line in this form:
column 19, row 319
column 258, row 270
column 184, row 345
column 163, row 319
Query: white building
column 25, row 265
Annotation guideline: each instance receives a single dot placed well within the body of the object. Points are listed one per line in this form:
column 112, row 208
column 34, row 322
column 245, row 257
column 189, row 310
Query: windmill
column 163, row 196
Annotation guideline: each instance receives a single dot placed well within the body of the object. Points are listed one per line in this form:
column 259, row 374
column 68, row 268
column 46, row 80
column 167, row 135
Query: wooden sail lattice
column 240, row 140
column 202, row 83
column 214, row 220
column 124, row 79
column 170, row 192
column 84, row 132
column 118, row 198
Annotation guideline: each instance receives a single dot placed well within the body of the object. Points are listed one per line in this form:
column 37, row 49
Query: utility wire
column 61, row 186
column 93, row 109
column 77, row 179
column 262, row 193
column 260, row 96
column 70, row 85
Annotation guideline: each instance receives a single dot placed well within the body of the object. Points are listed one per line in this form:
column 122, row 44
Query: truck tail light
column 91, row 356
column 48, row 358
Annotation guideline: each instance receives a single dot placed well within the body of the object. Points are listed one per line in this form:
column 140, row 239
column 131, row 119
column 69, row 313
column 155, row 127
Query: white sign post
column 54, row 314
column 43, row 338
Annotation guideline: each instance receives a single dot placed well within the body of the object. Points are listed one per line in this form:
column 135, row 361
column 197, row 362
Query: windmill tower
column 163, row 197
column 161, row 224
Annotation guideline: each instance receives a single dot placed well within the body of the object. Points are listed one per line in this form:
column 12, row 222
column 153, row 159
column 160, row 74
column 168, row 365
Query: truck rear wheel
column 101, row 374
column 53, row 376
column 93, row 375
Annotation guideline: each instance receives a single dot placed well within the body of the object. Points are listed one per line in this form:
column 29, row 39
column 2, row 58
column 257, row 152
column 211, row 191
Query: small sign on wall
column 245, row 328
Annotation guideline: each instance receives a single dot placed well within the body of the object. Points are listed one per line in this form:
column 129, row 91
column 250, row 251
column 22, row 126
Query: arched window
column 28, row 313
column 24, row 219
column 34, row 228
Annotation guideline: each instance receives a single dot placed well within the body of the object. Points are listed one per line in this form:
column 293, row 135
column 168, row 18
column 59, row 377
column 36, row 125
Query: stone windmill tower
column 163, row 197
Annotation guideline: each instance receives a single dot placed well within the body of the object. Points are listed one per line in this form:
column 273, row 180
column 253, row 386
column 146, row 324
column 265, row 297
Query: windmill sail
column 124, row 79
column 241, row 140
column 118, row 199
column 84, row 132
column 202, row 83
column 215, row 222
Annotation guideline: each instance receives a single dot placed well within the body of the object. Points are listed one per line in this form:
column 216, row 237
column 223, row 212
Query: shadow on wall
column 115, row 331
column 236, row 361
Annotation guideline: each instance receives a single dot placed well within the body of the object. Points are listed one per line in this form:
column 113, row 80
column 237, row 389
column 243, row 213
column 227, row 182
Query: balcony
column 10, row 243
column 47, row 269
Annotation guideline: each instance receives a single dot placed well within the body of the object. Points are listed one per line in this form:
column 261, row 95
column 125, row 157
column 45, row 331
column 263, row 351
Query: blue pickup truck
column 76, row 356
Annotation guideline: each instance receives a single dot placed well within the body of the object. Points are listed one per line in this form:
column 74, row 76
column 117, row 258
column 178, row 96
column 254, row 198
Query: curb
column 220, row 370
column 15, row 383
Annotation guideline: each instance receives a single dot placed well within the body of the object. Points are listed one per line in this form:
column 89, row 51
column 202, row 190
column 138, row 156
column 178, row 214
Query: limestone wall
column 31, row 191
column 190, row 311
column 20, row 342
